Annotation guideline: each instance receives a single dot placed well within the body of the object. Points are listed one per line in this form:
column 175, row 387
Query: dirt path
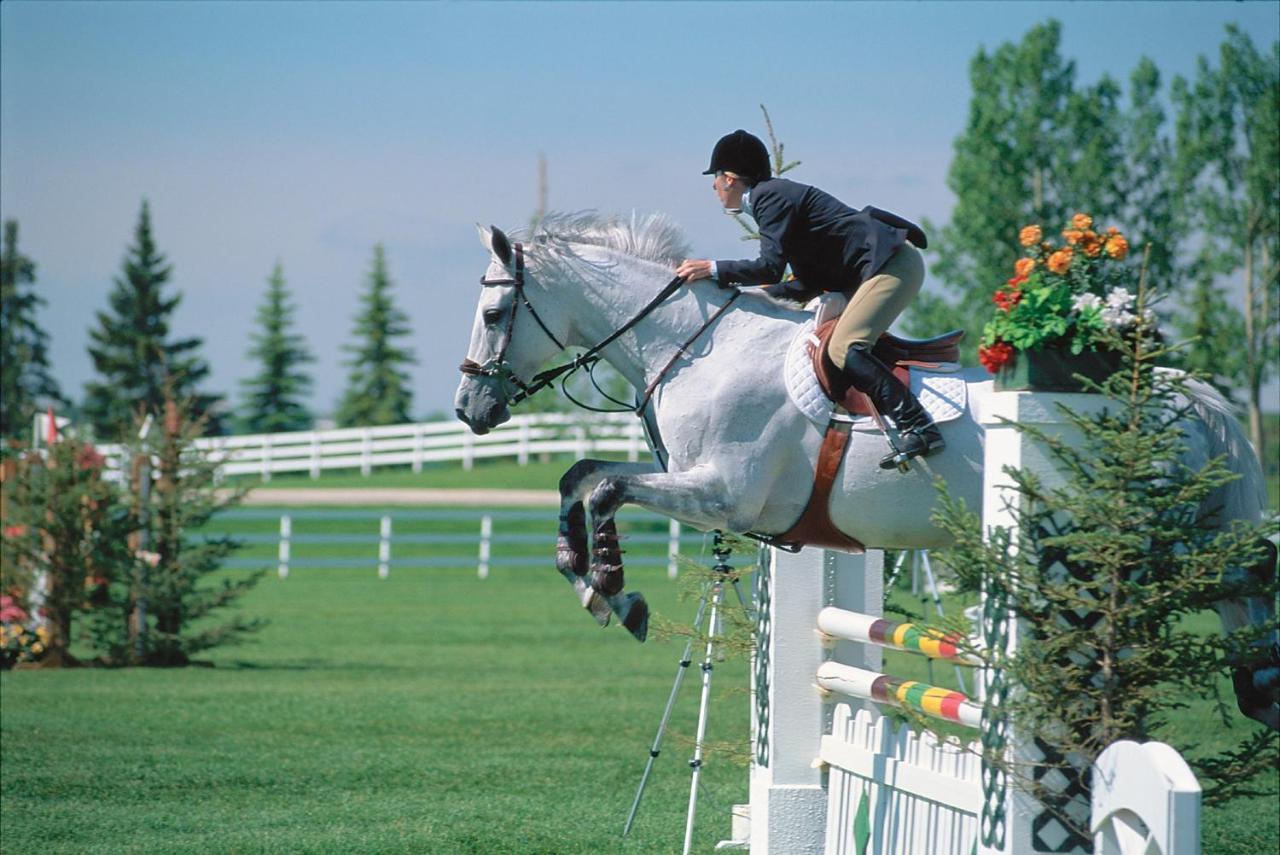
column 402, row 496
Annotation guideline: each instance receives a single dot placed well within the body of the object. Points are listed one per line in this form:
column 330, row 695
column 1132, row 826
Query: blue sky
column 307, row 132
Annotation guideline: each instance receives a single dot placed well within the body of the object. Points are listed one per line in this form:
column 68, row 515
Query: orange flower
column 1072, row 235
column 1117, row 247
column 1030, row 235
column 1091, row 244
column 1024, row 266
column 1082, row 221
column 1060, row 260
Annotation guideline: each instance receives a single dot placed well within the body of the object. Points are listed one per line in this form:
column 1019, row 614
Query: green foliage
column 1037, row 149
column 1103, row 571
column 272, row 398
column 132, row 351
column 65, row 531
column 1228, row 145
column 175, row 495
column 378, row 390
column 25, row 378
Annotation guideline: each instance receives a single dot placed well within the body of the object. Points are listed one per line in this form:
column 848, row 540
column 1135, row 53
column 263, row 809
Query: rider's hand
column 692, row 269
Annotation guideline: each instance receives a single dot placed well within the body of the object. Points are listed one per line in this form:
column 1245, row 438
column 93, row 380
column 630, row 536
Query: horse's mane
column 653, row 237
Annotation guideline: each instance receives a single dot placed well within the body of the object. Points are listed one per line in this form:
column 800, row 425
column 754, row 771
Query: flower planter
column 1053, row 369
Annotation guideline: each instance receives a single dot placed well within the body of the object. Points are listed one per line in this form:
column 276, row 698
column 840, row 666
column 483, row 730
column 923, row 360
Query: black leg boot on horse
column 918, row 435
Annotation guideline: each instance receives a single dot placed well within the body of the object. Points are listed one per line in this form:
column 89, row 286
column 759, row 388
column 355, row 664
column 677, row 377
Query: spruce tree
column 1103, row 571
column 272, row 399
column 25, row 378
column 378, row 391
column 132, row 350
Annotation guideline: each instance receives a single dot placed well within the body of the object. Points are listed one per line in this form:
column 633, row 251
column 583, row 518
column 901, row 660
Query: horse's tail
column 1244, row 498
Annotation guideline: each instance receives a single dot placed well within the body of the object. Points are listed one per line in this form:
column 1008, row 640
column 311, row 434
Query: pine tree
column 272, row 399
column 132, row 351
column 25, row 378
column 378, row 391
column 1102, row 572
column 165, row 612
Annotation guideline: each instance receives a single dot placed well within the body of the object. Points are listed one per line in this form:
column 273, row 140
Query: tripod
column 713, row 595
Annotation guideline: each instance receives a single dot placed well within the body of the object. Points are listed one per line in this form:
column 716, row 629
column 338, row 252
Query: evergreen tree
column 378, row 391
column 25, row 378
column 1102, row 572
column 1228, row 145
column 132, row 351
column 272, row 400
column 165, row 612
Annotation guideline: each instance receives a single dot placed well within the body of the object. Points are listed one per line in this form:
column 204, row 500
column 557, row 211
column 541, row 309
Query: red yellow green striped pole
column 883, row 689
column 867, row 629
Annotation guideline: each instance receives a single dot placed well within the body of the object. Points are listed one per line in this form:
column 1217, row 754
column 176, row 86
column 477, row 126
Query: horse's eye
column 492, row 316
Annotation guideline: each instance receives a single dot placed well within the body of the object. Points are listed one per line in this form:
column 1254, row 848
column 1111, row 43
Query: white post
column 315, row 455
column 633, row 435
column 522, row 454
column 1006, row 446
column 580, row 434
column 366, row 452
column 486, row 534
column 384, row 549
column 417, row 448
column 266, row 458
column 286, row 531
column 468, row 450
column 673, row 549
column 789, row 717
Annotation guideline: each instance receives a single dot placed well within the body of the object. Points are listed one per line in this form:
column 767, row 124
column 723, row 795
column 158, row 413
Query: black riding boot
column 917, row 434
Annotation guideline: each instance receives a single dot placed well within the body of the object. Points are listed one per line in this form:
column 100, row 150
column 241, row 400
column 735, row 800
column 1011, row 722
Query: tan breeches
column 877, row 303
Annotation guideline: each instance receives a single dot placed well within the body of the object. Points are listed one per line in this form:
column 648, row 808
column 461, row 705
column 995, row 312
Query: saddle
column 814, row 528
column 900, row 354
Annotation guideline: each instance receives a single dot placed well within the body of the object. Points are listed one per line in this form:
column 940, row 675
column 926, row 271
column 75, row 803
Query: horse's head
column 509, row 338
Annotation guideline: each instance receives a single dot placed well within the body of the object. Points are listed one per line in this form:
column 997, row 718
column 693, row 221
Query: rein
column 500, row 368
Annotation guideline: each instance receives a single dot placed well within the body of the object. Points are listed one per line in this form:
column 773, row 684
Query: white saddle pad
column 942, row 393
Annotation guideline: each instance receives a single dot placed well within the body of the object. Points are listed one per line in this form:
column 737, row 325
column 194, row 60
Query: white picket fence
column 416, row 444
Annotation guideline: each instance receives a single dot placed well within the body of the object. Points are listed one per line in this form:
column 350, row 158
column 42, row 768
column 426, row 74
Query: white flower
column 1086, row 301
column 1119, row 299
column 1118, row 317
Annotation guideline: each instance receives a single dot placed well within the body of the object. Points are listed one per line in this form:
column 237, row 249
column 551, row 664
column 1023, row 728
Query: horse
column 731, row 450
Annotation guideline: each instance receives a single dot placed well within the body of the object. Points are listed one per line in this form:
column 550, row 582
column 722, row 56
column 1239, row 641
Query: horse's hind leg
column 571, row 542
column 1257, row 680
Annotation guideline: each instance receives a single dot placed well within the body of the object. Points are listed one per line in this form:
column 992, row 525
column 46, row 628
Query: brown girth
column 814, row 528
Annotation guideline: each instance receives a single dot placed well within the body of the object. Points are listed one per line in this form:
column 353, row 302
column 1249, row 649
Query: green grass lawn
column 429, row 712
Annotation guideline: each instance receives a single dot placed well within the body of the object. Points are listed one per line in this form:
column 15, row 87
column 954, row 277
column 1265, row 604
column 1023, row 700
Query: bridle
column 498, row 367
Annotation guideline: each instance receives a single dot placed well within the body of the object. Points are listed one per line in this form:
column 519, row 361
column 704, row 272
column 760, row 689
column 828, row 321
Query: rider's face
column 728, row 189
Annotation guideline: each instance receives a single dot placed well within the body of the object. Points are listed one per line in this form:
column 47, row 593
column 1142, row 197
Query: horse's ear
column 501, row 246
column 496, row 242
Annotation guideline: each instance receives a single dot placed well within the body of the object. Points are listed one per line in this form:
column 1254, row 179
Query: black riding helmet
column 740, row 153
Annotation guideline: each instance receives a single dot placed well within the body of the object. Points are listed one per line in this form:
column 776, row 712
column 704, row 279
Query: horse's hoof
column 635, row 615
column 599, row 608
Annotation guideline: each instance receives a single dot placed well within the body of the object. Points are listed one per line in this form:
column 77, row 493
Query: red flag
column 51, row 432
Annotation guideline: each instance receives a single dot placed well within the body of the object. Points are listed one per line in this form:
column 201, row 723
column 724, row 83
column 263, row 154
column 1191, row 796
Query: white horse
column 732, row 450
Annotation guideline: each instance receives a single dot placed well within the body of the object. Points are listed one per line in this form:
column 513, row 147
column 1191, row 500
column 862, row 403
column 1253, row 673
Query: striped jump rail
column 836, row 623
column 909, row 694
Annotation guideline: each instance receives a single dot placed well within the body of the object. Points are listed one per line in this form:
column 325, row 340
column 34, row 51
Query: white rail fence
column 414, row 445
column 383, row 539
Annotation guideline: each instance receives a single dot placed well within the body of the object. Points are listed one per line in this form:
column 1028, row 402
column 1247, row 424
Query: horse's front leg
column 571, row 542
column 697, row 496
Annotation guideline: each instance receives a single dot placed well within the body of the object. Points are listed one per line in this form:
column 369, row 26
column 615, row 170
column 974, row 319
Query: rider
column 869, row 255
